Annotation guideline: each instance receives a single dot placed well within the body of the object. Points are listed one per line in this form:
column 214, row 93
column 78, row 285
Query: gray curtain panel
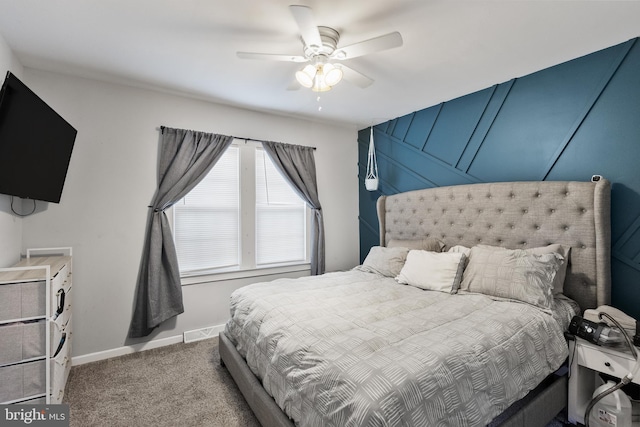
column 185, row 158
column 297, row 164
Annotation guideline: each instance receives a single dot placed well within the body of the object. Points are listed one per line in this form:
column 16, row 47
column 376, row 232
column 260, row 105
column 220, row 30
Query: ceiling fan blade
column 307, row 24
column 376, row 44
column 271, row 57
column 355, row 77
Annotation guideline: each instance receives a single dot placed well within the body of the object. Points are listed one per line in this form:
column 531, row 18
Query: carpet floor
column 176, row 385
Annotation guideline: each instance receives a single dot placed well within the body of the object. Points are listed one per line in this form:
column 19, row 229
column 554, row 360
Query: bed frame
column 509, row 214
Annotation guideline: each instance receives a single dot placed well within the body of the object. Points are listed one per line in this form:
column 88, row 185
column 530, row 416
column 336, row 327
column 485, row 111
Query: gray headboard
column 515, row 215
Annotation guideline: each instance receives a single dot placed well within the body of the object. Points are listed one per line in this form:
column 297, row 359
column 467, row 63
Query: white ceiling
column 451, row 48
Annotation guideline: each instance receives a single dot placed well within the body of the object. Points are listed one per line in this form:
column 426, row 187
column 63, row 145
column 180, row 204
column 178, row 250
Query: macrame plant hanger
column 371, row 180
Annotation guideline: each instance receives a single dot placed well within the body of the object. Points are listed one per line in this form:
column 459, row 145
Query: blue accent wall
column 567, row 122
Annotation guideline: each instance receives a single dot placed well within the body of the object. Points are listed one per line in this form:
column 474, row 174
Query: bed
column 358, row 348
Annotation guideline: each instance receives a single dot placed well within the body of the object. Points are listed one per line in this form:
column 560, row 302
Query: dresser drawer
column 597, row 359
column 22, row 340
column 23, row 380
column 21, row 300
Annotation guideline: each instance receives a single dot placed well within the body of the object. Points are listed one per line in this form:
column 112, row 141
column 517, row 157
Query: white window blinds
column 242, row 215
column 206, row 221
column 280, row 216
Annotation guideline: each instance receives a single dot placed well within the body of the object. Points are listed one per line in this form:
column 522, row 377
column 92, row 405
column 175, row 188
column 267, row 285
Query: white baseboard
column 121, row 351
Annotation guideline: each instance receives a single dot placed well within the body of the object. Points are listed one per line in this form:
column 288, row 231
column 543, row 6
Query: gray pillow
column 426, row 244
column 563, row 251
column 385, row 261
column 512, row 274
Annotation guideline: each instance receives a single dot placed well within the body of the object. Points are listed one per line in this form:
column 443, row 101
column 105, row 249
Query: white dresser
column 36, row 327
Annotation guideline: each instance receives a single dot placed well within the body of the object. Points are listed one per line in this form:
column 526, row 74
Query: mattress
column 358, row 349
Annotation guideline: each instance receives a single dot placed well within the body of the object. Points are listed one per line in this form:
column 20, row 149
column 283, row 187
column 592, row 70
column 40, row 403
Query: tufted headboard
column 515, row 215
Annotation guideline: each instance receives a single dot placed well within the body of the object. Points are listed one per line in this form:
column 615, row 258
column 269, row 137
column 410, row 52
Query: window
column 242, row 216
column 206, row 221
column 280, row 216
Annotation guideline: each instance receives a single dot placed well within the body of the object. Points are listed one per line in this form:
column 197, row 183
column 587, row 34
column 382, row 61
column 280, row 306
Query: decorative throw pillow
column 464, row 250
column 435, row 271
column 385, row 261
column 459, row 248
column 563, row 251
column 512, row 274
column 426, row 244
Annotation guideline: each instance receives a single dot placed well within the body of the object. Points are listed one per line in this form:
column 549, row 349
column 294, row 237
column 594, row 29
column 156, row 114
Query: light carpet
column 176, row 385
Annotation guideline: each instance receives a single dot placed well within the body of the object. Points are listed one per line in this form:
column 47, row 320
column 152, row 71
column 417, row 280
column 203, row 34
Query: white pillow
column 435, row 271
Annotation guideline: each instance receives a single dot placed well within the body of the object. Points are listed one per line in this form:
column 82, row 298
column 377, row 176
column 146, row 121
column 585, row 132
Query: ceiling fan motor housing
column 329, row 37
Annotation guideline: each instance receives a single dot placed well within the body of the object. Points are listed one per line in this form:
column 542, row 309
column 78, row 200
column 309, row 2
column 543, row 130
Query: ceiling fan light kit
column 332, row 74
column 320, row 77
column 320, row 45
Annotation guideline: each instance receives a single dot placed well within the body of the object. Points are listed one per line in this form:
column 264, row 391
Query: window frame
column 248, row 266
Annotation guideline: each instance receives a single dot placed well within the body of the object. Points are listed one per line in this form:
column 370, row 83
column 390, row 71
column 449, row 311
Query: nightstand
column 586, row 361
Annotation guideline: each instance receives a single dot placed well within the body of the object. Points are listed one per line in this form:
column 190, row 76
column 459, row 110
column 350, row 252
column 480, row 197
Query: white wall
column 10, row 224
column 111, row 180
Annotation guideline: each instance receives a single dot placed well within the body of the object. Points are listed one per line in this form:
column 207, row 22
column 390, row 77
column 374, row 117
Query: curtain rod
column 161, row 128
column 261, row 140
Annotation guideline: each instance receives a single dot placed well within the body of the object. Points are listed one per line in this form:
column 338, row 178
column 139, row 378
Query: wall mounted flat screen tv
column 35, row 144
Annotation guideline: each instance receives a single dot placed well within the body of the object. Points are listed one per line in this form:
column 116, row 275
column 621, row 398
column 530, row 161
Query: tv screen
column 35, row 144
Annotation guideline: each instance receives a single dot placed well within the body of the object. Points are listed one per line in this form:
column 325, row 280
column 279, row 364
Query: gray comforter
column 358, row 349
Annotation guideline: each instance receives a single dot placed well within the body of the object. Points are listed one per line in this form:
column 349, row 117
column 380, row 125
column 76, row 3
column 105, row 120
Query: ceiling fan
column 320, row 48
